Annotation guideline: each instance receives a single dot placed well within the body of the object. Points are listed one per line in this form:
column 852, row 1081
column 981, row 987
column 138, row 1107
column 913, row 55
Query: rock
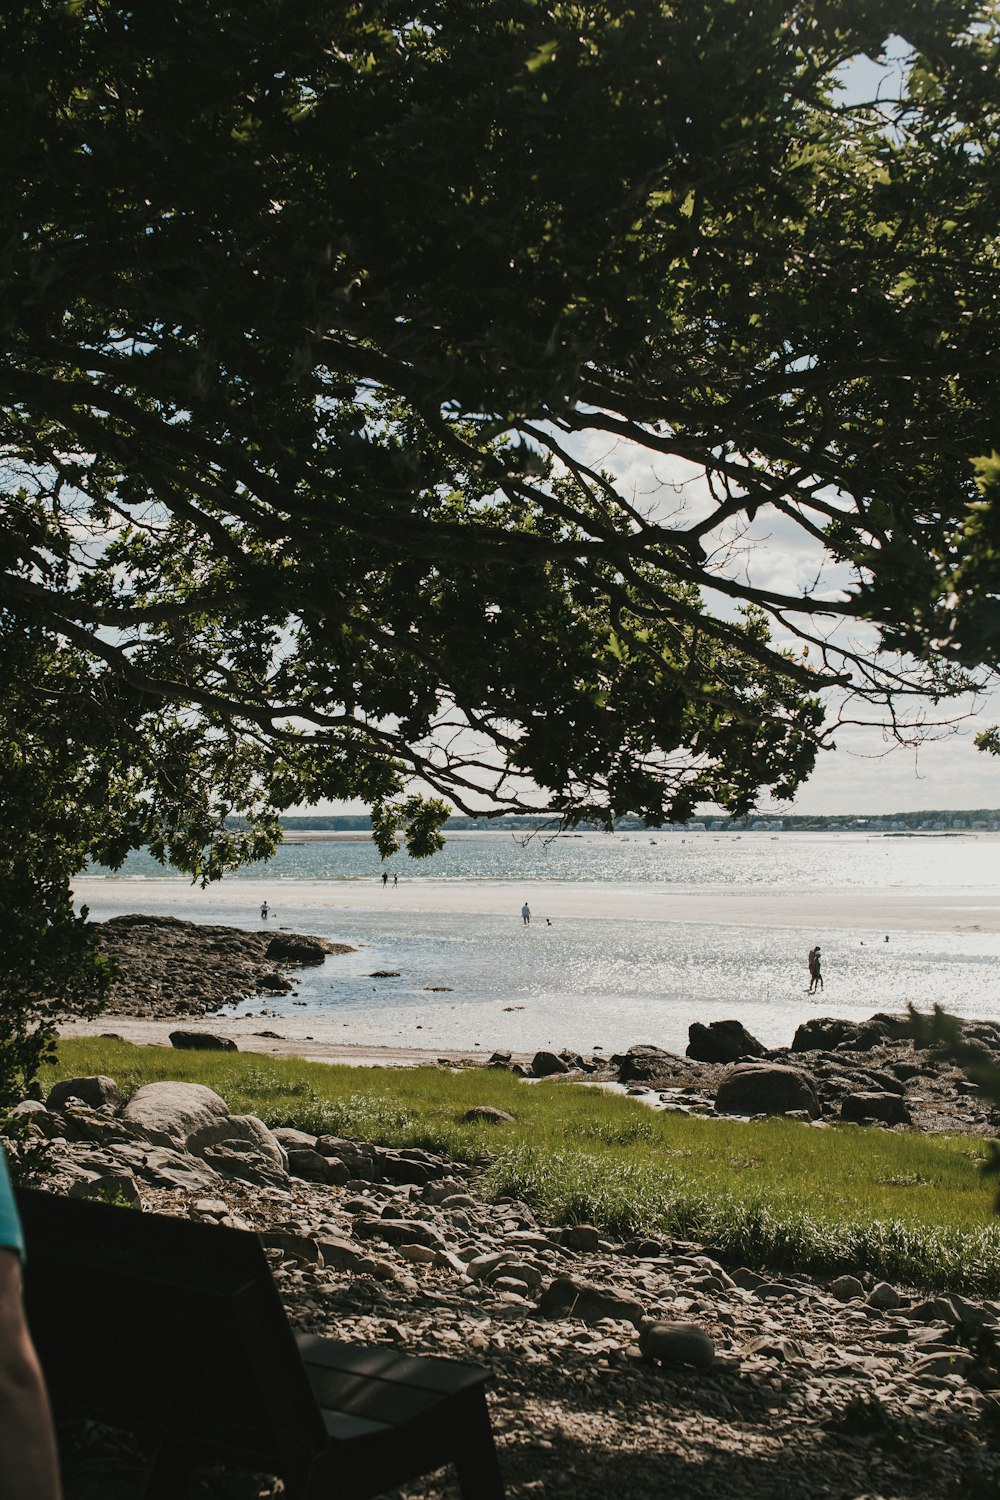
column 177, row 1110
column 341, row 1255
column 98, row 1091
column 721, row 1042
column 310, row 1166
column 418, row 1255
column 884, row 1297
column 846, row 1288
column 294, row 1140
column 488, row 1114
column 118, row 1188
column 644, row 1062
column 677, row 1344
column 765, row 1088
column 770, row 1347
column 890, row 1109
column 41, row 1121
column 296, row 1246
column 566, row 1298
column 481, row 1267
column 547, row 1064
column 583, row 1237
column 499, row 1059
column 822, row 1034
column 296, row 948
column 384, row 974
column 400, row 1232
column 240, row 1132
column 202, row 1041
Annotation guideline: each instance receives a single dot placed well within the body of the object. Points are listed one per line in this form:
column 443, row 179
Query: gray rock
column 202, row 1041
column 399, row 1232
column 118, row 1188
column 296, row 948
column 294, row 1140
column 644, row 1062
column 310, row 1166
column 884, row 1297
column 721, row 1042
column 41, row 1121
column 566, row 1298
column 765, row 1088
column 488, row 1114
column 677, row 1344
column 341, row 1255
column 823, row 1033
column 547, row 1064
column 846, row 1288
column 582, row 1237
column 482, row 1267
column 240, row 1132
column 888, row 1109
column 162, row 1167
column 177, row 1110
column 300, row 1247
column 98, row 1091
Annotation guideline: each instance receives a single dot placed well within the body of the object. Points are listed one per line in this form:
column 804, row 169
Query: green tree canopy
column 322, row 324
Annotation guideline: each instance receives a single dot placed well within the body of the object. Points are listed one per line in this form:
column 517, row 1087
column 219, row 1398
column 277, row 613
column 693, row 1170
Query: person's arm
column 29, row 1468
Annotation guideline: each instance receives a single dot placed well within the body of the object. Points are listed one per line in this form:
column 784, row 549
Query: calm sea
column 629, row 940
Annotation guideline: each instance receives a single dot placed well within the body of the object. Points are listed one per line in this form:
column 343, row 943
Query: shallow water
column 622, row 958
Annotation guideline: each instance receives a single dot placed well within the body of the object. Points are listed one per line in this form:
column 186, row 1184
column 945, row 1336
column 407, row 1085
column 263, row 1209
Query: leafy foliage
column 328, row 333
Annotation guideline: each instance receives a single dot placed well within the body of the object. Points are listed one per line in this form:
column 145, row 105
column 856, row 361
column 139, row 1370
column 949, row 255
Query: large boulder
column 241, row 1133
column 202, row 1041
column 823, row 1033
column 178, row 1110
column 295, row 948
column 721, row 1042
column 765, row 1088
column 644, row 1062
column 547, row 1064
column 97, row 1091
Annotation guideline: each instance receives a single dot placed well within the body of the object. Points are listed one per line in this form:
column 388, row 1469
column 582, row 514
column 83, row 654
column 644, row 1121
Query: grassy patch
column 911, row 1208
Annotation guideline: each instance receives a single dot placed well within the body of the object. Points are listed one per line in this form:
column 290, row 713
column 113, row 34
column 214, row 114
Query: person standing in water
column 264, row 909
column 815, row 974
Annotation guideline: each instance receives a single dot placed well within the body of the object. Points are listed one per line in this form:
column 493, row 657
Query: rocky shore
column 167, row 967
column 642, row 1368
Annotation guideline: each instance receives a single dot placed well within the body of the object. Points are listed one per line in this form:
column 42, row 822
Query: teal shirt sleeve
column 11, row 1237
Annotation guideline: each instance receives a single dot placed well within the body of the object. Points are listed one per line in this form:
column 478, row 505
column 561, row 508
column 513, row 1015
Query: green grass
column 908, row 1207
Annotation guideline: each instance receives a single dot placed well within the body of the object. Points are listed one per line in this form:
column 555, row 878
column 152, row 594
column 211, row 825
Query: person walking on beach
column 264, row 909
column 385, row 879
column 395, row 881
column 815, row 975
column 526, row 914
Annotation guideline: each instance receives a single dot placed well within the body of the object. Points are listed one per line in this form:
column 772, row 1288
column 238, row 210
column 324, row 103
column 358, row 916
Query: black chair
column 174, row 1330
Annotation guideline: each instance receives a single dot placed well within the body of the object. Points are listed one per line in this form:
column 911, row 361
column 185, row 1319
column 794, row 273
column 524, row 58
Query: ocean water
column 629, row 942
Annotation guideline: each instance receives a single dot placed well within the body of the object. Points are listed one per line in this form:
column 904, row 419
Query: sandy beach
column 245, row 1032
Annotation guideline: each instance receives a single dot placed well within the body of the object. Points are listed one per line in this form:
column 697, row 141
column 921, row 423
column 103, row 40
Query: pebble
column 613, row 1370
